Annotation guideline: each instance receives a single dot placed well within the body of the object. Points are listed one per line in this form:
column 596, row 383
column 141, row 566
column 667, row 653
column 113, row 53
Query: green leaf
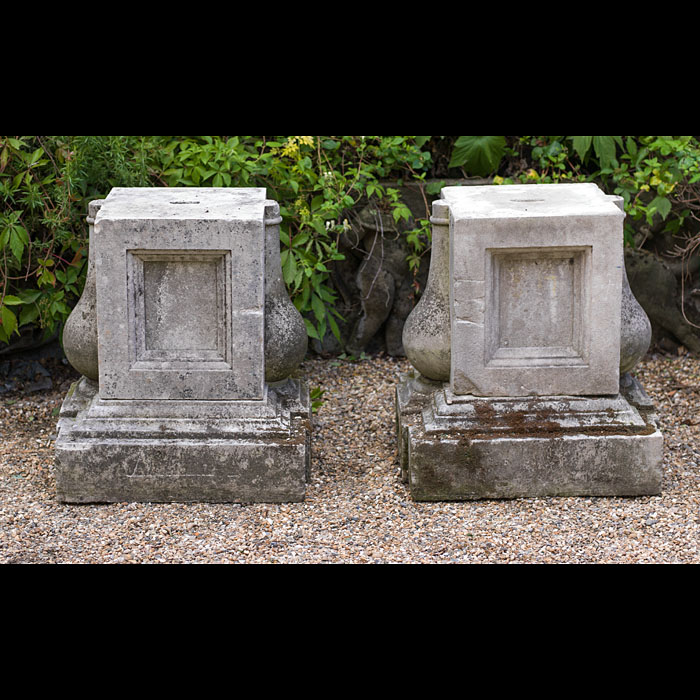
column 300, row 239
column 11, row 300
column 582, row 145
column 334, row 328
column 9, row 321
column 662, row 206
column 605, row 148
column 480, row 155
column 46, row 278
column 28, row 314
column 318, row 308
column 36, row 155
column 16, row 244
column 289, row 269
column 310, row 330
column 29, row 296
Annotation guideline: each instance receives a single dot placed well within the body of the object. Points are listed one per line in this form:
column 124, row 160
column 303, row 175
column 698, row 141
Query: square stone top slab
column 525, row 201
column 163, row 203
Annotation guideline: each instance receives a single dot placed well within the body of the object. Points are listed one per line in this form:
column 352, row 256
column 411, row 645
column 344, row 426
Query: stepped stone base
column 177, row 451
column 467, row 447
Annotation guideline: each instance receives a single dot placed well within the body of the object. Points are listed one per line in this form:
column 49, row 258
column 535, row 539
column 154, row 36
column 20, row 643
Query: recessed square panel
column 165, row 328
column 537, row 307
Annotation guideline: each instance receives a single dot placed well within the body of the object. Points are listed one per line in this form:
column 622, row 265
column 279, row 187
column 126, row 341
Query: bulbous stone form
column 635, row 328
column 635, row 331
column 80, row 330
column 286, row 339
column 427, row 333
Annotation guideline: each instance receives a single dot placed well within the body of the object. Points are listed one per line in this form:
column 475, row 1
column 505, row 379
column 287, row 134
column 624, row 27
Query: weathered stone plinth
column 212, row 451
column 456, row 448
column 519, row 344
column 187, row 340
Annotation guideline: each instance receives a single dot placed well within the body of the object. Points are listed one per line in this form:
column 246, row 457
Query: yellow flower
column 302, row 209
column 291, row 148
column 532, row 174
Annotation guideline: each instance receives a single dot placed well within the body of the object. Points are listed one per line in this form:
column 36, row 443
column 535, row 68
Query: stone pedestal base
column 181, row 451
column 455, row 448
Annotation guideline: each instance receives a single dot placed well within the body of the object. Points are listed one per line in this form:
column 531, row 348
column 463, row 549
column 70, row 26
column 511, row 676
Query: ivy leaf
column 479, row 154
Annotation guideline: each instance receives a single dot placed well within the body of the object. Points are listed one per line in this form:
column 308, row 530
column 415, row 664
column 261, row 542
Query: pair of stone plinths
column 187, row 339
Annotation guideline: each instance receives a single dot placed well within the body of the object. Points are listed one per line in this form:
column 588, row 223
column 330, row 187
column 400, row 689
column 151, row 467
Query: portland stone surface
column 533, row 404
column 187, row 310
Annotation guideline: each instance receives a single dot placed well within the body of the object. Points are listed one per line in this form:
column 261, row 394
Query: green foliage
column 657, row 176
column 317, row 180
column 37, row 235
column 316, row 396
column 480, row 155
column 46, row 183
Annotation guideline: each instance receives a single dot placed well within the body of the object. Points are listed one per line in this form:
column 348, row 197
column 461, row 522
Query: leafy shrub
column 317, row 180
column 657, row 176
column 46, row 183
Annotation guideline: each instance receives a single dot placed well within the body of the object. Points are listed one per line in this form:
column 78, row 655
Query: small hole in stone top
column 527, row 200
column 184, row 202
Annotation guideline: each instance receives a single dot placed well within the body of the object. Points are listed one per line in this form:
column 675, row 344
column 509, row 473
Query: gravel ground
column 357, row 509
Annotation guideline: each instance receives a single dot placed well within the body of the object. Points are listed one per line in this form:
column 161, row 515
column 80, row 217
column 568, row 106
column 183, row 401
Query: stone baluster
column 286, row 339
column 635, row 328
column 80, row 330
column 427, row 333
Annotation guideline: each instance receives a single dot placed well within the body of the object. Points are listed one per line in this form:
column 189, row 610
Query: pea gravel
column 357, row 509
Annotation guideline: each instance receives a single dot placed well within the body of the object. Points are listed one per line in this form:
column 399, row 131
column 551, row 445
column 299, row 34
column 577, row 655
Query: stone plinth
column 189, row 313
column 537, row 301
column 165, row 451
column 469, row 447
